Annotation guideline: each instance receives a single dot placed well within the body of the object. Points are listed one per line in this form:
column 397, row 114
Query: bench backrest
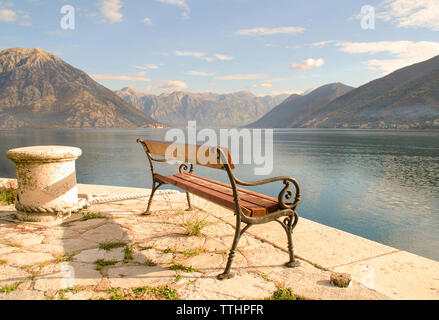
column 196, row 154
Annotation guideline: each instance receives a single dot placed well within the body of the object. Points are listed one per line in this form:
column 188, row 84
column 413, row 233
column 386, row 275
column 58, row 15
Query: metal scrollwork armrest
column 285, row 194
column 185, row 167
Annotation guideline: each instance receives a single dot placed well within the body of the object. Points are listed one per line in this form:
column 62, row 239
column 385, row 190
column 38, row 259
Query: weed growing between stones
column 108, row 245
column 194, row 225
column 101, row 263
column 179, row 267
column 128, row 254
column 10, row 288
column 92, row 215
column 8, row 197
column 143, row 293
column 284, row 294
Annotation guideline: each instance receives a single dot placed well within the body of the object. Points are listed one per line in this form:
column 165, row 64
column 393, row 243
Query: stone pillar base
column 46, row 176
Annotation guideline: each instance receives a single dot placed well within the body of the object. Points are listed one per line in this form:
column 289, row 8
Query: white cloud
column 308, row 64
column 8, row 15
column 320, row 43
column 135, row 77
column 110, row 10
column 404, row 52
column 148, row 66
column 172, row 85
column 240, row 77
column 199, row 73
column 180, row 3
column 189, row 54
column 147, row 21
column 223, row 57
column 269, row 31
column 411, row 14
column 195, row 54
column 262, row 85
column 289, row 92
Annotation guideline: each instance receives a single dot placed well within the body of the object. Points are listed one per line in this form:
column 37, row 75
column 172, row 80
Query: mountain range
column 39, row 90
column 406, row 98
column 208, row 109
column 296, row 108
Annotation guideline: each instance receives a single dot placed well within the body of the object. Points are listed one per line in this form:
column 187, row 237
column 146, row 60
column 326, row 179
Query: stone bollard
column 46, row 175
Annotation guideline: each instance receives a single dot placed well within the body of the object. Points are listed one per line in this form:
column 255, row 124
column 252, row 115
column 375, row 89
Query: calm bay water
column 381, row 185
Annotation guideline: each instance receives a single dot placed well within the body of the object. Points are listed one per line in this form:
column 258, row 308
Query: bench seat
column 253, row 204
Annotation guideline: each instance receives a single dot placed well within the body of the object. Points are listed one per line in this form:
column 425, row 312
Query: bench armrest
column 285, row 194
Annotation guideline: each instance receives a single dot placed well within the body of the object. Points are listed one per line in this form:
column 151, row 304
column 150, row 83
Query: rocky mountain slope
column 406, row 98
column 296, row 109
column 208, row 109
column 39, row 90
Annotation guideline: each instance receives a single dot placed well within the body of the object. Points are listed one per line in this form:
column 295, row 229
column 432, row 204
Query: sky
column 223, row 46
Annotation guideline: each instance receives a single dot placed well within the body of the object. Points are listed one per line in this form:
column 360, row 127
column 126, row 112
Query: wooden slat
column 205, row 193
column 241, row 190
column 213, row 195
column 189, row 153
column 269, row 205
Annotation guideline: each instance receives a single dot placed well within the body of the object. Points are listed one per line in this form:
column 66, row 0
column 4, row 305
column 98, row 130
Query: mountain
column 296, row 108
column 39, row 90
column 406, row 98
column 208, row 109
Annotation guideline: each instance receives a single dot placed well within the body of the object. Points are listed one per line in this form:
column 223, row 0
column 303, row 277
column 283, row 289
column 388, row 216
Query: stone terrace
column 119, row 254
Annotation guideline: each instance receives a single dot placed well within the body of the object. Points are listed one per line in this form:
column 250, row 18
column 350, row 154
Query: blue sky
column 266, row 47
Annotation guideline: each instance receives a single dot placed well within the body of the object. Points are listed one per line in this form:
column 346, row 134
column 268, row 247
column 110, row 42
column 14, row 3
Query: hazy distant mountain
column 406, row 98
column 208, row 109
column 39, row 90
column 296, row 109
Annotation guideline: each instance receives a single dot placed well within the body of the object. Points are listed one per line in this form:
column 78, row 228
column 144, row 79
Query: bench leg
column 289, row 227
column 188, row 202
column 238, row 234
column 154, row 189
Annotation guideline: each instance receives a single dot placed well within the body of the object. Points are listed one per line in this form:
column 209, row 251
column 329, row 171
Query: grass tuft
column 93, row 215
column 101, row 263
column 8, row 197
column 284, row 294
column 108, row 245
column 164, row 293
column 9, row 289
column 179, row 267
column 195, row 225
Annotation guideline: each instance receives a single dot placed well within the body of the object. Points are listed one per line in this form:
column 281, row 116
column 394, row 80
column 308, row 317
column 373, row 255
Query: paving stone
column 176, row 242
column 264, row 254
column 139, row 276
column 152, row 255
column 6, row 249
column 10, row 275
column 91, row 255
column 106, row 232
column 85, row 225
column 24, row 239
column 205, row 261
column 65, row 275
column 21, row 259
column 23, row 295
column 86, row 295
column 242, row 286
column 73, row 246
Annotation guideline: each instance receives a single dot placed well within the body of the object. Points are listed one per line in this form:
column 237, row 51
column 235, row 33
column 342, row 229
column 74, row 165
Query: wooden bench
column 250, row 207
